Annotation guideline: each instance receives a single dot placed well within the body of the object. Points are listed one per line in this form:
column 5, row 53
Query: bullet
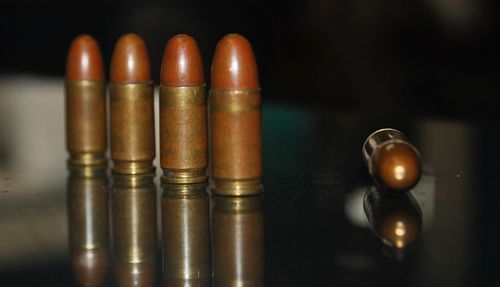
column 395, row 218
column 132, row 111
column 88, row 224
column 183, row 113
column 85, row 103
column 393, row 162
column 238, row 241
column 133, row 207
column 236, row 136
column 186, row 235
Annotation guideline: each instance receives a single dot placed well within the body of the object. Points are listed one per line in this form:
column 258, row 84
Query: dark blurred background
column 429, row 57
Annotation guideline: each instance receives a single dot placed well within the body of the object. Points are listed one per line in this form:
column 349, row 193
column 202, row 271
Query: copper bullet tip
column 234, row 65
column 397, row 165
column 182, row 64
column 130, row 61
column 84, row 60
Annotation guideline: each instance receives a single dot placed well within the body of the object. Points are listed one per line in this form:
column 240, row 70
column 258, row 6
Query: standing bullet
column 393, row 162
column 133, row 209
column 186, row 235
column 183, row 113
column 238, row 236
column 88, row 224
column 236, row 136
column 85, row 103
column 132, row 111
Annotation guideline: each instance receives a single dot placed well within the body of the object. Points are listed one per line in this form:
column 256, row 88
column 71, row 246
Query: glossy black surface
column 316, row 232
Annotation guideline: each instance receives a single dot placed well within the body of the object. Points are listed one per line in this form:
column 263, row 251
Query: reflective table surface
column 319, row 222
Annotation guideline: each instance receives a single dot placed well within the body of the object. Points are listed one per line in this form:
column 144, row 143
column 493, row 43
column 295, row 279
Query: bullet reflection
column 237, row 230
column 88, row 224
column 186, row 235
column 133, row 201
column 395, row 219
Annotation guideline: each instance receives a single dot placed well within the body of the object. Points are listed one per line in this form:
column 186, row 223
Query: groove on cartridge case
column 238, row 187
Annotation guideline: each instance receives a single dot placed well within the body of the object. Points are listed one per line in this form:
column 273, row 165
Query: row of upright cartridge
column 233, row 233
column 234, row 111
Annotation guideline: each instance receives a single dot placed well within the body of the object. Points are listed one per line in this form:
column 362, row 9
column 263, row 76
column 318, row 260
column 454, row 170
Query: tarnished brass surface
column 184, row 177
column 237, row 230
column 236, row 136
column 134, row 229
column 186, row 235
column 183, row 134
column 395, row 218
column 132, row 128
column 88, row 224
column 86, row 122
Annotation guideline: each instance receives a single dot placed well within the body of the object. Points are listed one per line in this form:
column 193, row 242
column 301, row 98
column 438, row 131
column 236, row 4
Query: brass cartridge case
column 86, row 122
column 186, row 236
column 237, row 232
column 183, row 133
column 394, row 218
column 134, row 229
column 236, row 135
column 88, row 224
column 132, row 128
column 393, row 162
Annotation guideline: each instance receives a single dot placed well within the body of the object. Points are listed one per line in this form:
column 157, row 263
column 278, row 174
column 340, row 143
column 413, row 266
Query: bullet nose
column 234, row 65
column 397, row 165
column 84, row 60
column 130, row 61
column 182, row 64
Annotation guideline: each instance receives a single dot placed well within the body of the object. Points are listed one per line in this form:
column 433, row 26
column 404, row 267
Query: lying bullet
column 85, row 103
column 392, row 161
column 88, row 224
column 132, row 112
column 395, row 218
column 133, row 208
column 183, row 113
column 238, row 241
column 236, row 136
column 186, row 236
